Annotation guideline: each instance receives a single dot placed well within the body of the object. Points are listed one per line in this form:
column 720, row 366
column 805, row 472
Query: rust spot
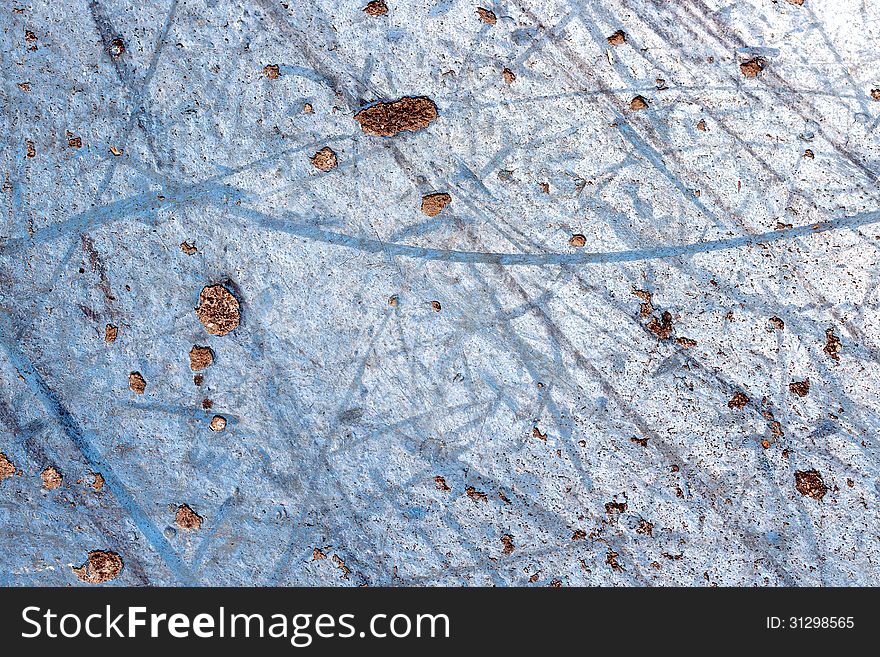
column 218, row 310
column 507, row 540
column 200, row 358
column 110, row 333
column 376, row 8
column 433, row 204
column 218, row 423
column 832, row 344
column 738, row 400
column 31, row 149
column 685, row 343
column 188, row 249
column 579, row 535
column 7, row 469
column 808, row 154
column 325, row 159
column 611, row 560
column 638, row 103
column 74, row 142
column 536, row 433
column 97, row 481
column 508, row 75
column 776, row 323
column 752, row 67
column 136, row 382
column 272, row 71
column 186, row 518
column 487, row 16
column 578, row 241
column 436, row 306
column 52, row 479
column 647, row 306
column 618, row 38
column 645, row 527
column 662, row 327
column 116, row 47
column 388, row 119
column 701, row 125
column 475, row 495
column 102, row 566
column 318, row 554
column 809, row 484
column 800, row 388
column 441, row 484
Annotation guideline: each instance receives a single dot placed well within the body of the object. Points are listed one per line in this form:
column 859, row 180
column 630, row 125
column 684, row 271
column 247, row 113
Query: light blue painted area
column 543, row 400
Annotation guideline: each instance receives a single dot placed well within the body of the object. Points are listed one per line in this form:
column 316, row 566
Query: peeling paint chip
column 52, row 479
column 618, row 38
column 98, row 481
column 186, row 518
column 388, row 119
column 101, row 567
column 136, row 382
column 376, row 8
column 7, row 469
column 218, row 423
column 188, row 249
column 487, row 16
column 200, row 358
column 809, row 484
column 325, row 159
column 433, row 204
column 272, row 71
column 752, row 67
column 218, row 310
column 110, row 333
column 508, row 75
column 875, row 94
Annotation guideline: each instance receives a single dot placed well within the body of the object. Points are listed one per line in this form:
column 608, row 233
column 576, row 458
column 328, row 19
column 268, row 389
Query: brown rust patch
column 638, row 103
column 188, row 249
column 218, row 423
column 611, row 560
column 776, row 323
column 272, row 71
column 738, row 400
column 809, row 484
column 218, row 310
column 475, row 495
column 102, row 566
column 325, row 159
column 578, row 241
column 376, row 8
column 441, row 484
column 137, row 383
column 406, row 114
column 800, row 388
column 507, row 540
column 508, row 75
column 487, row 16
column 618, row 38
column 52, row 479
column 7, row 469
column 436, row 307
column 685, row 343
column 875, row 94
column 832, row 344
column 662, row 327
column 97, row 481
column 645, row 527
column 433, row 204
column 200, row 358
column 110, row 333
column 753, row 67
column 701, row 125
column 186, row 518
column 647, row 306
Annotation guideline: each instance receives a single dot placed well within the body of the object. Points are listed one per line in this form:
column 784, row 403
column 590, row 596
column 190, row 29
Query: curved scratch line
column 543, row 259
